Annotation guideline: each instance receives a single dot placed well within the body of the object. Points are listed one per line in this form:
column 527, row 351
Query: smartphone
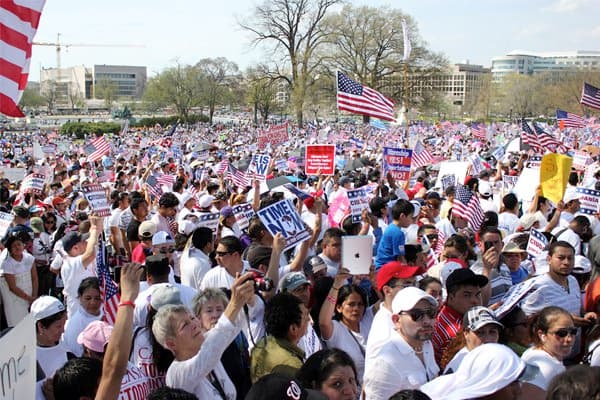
column 487, row 245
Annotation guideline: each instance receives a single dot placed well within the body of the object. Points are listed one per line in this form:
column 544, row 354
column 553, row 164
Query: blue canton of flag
column 466, row 205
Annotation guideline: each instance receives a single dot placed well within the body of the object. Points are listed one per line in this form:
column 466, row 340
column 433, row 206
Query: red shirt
column 447, row 324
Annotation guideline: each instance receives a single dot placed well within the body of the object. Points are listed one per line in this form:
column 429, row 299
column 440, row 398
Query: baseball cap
column 257, row 255
column 512, row 247
column 464, row 276
column 71, row 239
column 417, row 208
column 20, row 211
column 478, row 317
column 484, row 188
column 57, row 200
column 185, row 197
column 527, row 220
column 226, row 212
column 95, row 336
column 344, row 180
column 449, row 266
column 205, row 201
column 281, row 387
column 309, row 201
column 292, row 281
column 220, row 195
column 161, row 237
column 317, row 264
column 147, row 229
column 582, row 265
column 46, row 306
column 571, row 195
column 165, row 294
column 394, row 270
column 407, row 298
column 36, row 224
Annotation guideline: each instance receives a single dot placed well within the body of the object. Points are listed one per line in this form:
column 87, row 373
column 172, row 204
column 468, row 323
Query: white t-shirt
column 74, row 326
column 41, row 247
column 452, row 366
column 14, row 267
column 51, row 358
column 549, row 366
column 550, row 293
column 310, row 342
column 508, row 222
column 568, row 236
column 194, row 264
column 595, row 349
column 381, row 330
column 193, row 375
column 141, row 357
column 134, row 385
column 72, row 273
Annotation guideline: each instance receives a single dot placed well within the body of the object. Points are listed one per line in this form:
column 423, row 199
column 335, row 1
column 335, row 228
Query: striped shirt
column 447, row 324
column 500, row 280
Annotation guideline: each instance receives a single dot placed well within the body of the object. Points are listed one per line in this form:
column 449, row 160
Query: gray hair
column 163, row 326
column 206, row 295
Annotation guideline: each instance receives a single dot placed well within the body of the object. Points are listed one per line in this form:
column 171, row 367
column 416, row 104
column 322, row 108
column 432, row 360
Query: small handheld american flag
column 108, row 288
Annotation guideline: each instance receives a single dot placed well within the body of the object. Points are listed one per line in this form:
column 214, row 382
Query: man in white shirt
column 508, row 220
column 572, row 206
column 195, row 261
column 331, row 251
column 578, row 232
column 413, row 316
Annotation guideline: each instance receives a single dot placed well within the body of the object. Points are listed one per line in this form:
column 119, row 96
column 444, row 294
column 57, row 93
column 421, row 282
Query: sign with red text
column 96, row 196
column 320, row 157
column 589, row 200
column 275, row 135
column 397, row 163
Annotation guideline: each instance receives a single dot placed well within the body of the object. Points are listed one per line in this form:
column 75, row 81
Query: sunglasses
column 432, row 236
column 169, row 250
column 564, row 332
column 417, row 314
column 222, row 253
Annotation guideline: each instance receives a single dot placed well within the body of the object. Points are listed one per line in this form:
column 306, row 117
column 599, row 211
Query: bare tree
column 219, row 76
column 293, row 29
column 261, row 91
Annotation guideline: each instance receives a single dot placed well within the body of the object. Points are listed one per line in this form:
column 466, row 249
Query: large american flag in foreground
column 421, row 156
column 108, row 287
column 97, row 148
column 19, row 21
column 466, row 205
column 590, row 96
column 359, row 99
column 569, row 120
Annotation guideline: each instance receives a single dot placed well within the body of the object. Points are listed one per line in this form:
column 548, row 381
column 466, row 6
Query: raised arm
column 328, row 307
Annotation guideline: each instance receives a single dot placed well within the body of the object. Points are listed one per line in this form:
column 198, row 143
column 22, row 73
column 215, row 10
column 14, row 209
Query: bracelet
column 127, row 303
column 331, row 299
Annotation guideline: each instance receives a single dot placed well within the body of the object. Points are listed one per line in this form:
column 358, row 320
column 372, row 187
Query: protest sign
column 18, row 360
column 210, row 221
column 358, row 202
column 527, row 183
column 397, row 163
column 589, row 200
column 96, row 196
column 534, row 162
column 554, row 174
column 5, row 220
column 514, row 295
column 282, row 217
column 320, row 157
column 38, row 152
column 509, row 182
column 33, row 183
column 243, row 212
column 580, row 160
column 537, row 243
column 49, row 149
column 447, row 181
column 281, row 164
column 477, row 165
column 275, row 135
column 456, row 168
column 259, row 165
column 13, row 174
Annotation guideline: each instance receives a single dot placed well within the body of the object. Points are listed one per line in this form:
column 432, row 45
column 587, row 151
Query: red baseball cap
column 397, row 270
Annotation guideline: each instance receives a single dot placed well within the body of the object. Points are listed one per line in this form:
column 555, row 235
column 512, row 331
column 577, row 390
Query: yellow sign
column 554, row 174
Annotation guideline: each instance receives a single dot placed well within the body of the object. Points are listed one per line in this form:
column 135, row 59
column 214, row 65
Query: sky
column 158, row 34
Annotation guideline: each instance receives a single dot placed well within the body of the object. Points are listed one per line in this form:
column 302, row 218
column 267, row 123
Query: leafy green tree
column 219, row 76
column 105, row 89
column 261, row 91
column 31, row 99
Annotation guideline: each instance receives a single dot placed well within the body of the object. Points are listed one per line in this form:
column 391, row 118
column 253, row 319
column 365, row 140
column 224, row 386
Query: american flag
column 359, row 144
column 153, row 186
column 590, row 96
column 548, row 141
column 570, row 119
column 421, row 156
column 166, row 180
column 529, row 136
column 479, row 131
column 108, row 287
column 222, row 166
column 466, row 205
column 97, row 148
column 359, row 99
column 431, row 257
column 238, row 177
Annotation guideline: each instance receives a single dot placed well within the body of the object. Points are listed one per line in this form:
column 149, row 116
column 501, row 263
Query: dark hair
column 157, row 266
column 233, row 244
column 168, row 200
column 11, row 240
column 332, row 233
column 541, row 200
column 255, row 228
column 577, row 382
column 560, row 243
column 46, row 322
column 88, row 283
column 136, row 202
column 377, row 204
column 319, row 366
column 490, row 220
column 77, row 378
column 168, row 393
column 489, row 229
column 458, row 242
column 201, row 237
column 582, row 221
column 402, row 207
column 573, row 178
column 544, row 320
column 423, row 283
column 282, row 311
column 410, row 394
column 319, row 294
column 349, row 227
column 344, row 292
column 510, row 201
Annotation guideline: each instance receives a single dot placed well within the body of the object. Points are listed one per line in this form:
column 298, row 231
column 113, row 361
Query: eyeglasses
column 222, row 253
column 168, row 250
column 564, row 332
column 432, row 236
column 417, row 314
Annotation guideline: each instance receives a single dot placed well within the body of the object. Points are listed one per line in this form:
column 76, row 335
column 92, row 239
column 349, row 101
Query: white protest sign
column 589, row 199
column 243, row 212
column 18, row 358
column 537, row 243
column 580, row 160
column 209, row 220
column 96, row 196
column 514, row 296
column 38, row 152
column 534, row 162
column 477, row 165
column 509, row 182
column 259, row 165
column 5, row 220
column 282, row 217
column 528, row 181
column 13, row 174
column 447, row 181
column 281, row 164
column 456, row 168
column 33, row 183
column 358, row 202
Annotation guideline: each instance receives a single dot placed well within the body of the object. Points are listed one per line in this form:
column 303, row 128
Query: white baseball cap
column 407, row 298
column 46, row 306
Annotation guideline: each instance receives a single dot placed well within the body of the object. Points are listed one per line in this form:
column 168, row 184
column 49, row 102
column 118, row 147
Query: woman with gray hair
column 197, row 367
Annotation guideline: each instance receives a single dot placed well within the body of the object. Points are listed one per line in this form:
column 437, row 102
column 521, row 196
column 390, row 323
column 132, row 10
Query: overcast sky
column 188, row 30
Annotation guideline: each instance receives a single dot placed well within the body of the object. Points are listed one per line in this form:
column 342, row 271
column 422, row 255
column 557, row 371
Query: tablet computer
column 357, row 254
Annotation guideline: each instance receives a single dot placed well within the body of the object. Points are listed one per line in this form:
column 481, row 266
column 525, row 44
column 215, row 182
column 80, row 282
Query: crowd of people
column 233, row 311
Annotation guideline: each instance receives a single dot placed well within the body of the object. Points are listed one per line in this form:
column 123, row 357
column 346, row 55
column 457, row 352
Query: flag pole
column 406, row 101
